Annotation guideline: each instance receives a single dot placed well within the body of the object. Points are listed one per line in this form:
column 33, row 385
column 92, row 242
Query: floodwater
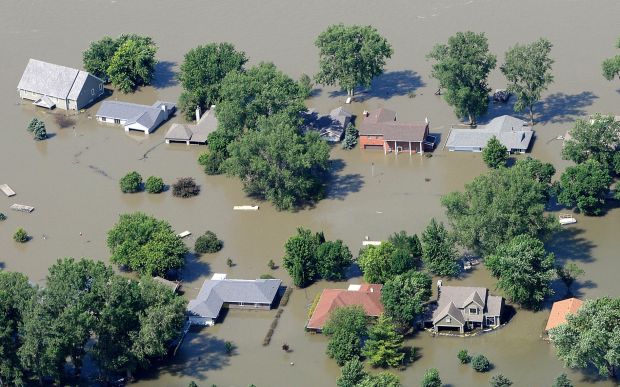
column 72, row 178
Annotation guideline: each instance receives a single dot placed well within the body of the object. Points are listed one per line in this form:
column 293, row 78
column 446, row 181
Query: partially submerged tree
column 495, row 154
column 351, row 373
column 528, row 71
column 611, row 66
column 351, row 56
column 562, row 381
column 596, row 139
column 185, row 187
column 208, row 243
column 439, row 251
column 404, row 297
column 37, row 128
column 462, row 67
column 384, row 346
column 20, row 236
column 381, row 263
column 480, row 363
column 300, row 257
column 431, row 378
column 500, row 380
column 154, row 184
column 350, row 137
column 333, row 258
column 131, row 182
column 133, row 63
column 345, row 328
column 382, row 379
column 568, row 274
column 585, row 186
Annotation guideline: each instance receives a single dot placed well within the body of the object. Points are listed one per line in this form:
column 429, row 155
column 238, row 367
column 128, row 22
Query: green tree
column 539, row 171
column 497, row 206
column 145, row 244
column 37, row 128
column 439, row 251
column 382, row 379
column 345, row 328
column 351, row 373
column 202, row 72
column 211, row 161
column 562, row 381
column 154, row 184
column 495, row 153
column 333, row 258
column 133, row 64
column 98, row 55
column 408, row 243
column 383, row 262
column 590, row 336
column 431, row 378
column 300, row 258
column 585, row 186
column 569, row 274
column 20, row 236
column 524, row 270
column 351, row 56
column 480, row 363
column 404, row 297
column 350, row 137
column 528, row 71
column 462, row 67
column 384, row 346
column 278, row 164
column 208, row 243
column 131, row 182
column 500, row 380
column 596, row 139
column 611, row 66
column 2, row 217
column 464, row 356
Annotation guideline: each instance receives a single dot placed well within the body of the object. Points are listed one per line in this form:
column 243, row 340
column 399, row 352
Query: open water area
column 72, row 178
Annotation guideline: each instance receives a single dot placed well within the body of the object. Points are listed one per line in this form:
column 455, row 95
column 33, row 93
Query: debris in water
column 427, row 179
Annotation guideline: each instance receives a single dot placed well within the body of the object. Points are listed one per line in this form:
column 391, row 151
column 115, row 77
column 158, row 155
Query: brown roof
column 368, row 297
column 382, row 122
column 560, row 310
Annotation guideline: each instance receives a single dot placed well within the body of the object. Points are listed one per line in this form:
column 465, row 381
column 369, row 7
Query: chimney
column 426, row 120
column 163, row 107
column 197, row 113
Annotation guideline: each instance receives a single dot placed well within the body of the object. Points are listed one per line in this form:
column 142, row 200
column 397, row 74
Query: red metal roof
column 368, row 297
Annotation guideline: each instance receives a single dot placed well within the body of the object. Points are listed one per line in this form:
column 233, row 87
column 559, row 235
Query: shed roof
column 367, row 296
column 560, row 310
column 52, row 79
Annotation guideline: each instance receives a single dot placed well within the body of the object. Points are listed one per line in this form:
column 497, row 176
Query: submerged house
column 560, row 310
column 512, row 132
column 462, row 308
column 330, row 127
column 380, row 130
column 220, row 292
column 133, row 116
column 193, row 134
column 366, row 296
column 50, row 85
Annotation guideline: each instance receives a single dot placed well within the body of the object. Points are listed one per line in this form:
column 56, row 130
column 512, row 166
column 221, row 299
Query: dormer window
column 473, row 310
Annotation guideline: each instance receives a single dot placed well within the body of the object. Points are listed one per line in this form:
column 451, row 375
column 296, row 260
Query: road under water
column 72, row 178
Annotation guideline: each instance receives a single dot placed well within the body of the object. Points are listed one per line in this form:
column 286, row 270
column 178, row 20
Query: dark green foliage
column 498, row 206
column 404, row 297
column 408, row 243
column 266, row 276
column 154, row 184
column 2, row 217
column 305, row 85
column 569, row 274
column 585, row 186
column 350, row 137
column 439, row 251
column 37, row 128
column 431, row 378
column 596, row 139
column 562, row 381
column 185, row 187
column 464, row 356
column 192, row 384
column 611, row 66
column 271, row 264
column 145, row 244
column 381, row 263
column 382, row 379
column 20, row 236
column 384, row 346
column 528, row 71
column 333, row 258
column 229, row 262
column 462, row 67
column 351, row 56
column 537, row 170
column 480, row 363
column 97, row 57
column 202, row 72
column 495, row 154
column 229, row 347
column 131, row 182
column 345, row 328
column 211, row 161
column 300, row 256
column 208, row 243
column 351, row 373
column 500, row 380
column 343, row 346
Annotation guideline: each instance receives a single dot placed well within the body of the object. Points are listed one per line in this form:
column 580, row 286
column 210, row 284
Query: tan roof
column 560, row 310
column 368, row 297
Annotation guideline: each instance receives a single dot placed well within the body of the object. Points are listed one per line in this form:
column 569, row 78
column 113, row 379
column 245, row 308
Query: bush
column 208, row 243
column 154, row 184
column 185, row 187
column 464, row 356
column 480, row 363
column 431, row 378
column 350, row 137
column 266, row 276
column 271, row 264
column 131, row 182
column 2, row 216
column 20, row 236
column 500, row 380
column 229, row 262
column 37, row 128
column 211, row 162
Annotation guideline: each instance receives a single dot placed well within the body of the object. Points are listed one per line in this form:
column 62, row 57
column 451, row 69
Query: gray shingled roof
column 494, row 305
column 179, row 132
column 51, row 79
column 132, row 112
column 451, row 310
column 196, row 133
column 510, row 131
column 460, row 296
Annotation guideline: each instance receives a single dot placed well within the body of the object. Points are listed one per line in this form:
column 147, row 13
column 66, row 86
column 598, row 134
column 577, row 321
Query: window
column 92, row 91
column 473, row 310
column 101, row 86
column 117, row 121
column 448, row 319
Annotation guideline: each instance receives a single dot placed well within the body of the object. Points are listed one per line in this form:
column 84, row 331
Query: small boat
column 245, row 208
column 371, row 243
column 7, row 190
column 22, row 208
column 567, row 219
column 184, row 234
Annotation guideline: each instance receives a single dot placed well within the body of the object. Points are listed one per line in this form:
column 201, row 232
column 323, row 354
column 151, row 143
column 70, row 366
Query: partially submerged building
column 330, row 127
column 133, row 116
column 463, row 308
column 513, row 133
column 560, row 310
column 50, row 85
column 380, row 130
column 366, row 296
column 220, row 292
column 193, row 134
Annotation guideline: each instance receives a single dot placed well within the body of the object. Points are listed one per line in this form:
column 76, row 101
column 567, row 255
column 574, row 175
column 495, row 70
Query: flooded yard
column 72, row 178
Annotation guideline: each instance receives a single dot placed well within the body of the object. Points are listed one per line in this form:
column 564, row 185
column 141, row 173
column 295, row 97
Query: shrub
column 229, row 347
column 229, row 262
column 211, row 162
column 208, row 243
column 34, row 125
column 20, row 236
column 40, row 134
column 480, row 363
column 431, row 378
column 266, row 276
column 500, row 380
column 154, row 184
column 2, row 216
column 271, row 264
column 131, row 182
column 185, row 187
column 464, row 356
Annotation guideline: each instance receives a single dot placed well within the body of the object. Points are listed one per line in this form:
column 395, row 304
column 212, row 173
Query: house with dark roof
column 463, row 308
column 330, row 127
column 193, row 134
column 560, row 310
column 220, row 292
column 380, row 130
column 133, row 116
column 50, row 85
column 366, row 296
column 513, row 133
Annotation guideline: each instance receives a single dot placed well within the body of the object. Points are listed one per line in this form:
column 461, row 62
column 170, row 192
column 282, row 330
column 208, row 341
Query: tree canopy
column 131, row 182
column 384, row 345
column 596, row 139
column 495, row 153
column 351, row 374
column 404, row 297
column 611, row 66
column 528, row 71
column 439, row 251
column 431, row 378
column 585, row 186
column 351, row 56
column 380, row 263
column 145, row 244
column 345, row 327
column 462, row 67
column 524, row 270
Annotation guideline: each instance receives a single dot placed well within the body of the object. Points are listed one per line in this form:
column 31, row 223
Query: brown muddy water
column 72, row 178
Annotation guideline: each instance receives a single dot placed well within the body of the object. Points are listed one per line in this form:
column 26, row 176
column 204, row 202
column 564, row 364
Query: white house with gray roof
column 462, row 308
column 133, row 116
column 50, row 85
column 512, row 132
column 220, row 292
